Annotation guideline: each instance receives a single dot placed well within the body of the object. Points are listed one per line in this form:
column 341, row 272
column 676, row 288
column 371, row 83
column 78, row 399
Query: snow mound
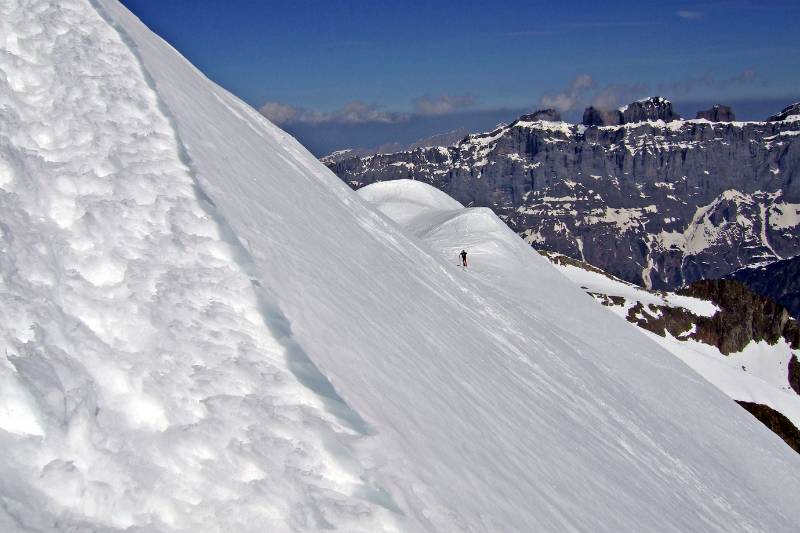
column 205, row 330
column 447, row 226
column 406, row 200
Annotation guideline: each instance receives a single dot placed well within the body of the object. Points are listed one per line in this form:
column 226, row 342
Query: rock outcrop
column 787, row 113
column 775, row 421
column 649, row 109
column 779, row 281
column 550, row 115
column 794, row 374
column 717, row 113
column 601, row 117
column 660, row 203
column 744, row 317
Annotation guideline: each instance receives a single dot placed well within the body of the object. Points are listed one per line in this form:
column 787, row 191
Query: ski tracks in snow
column 151, row 383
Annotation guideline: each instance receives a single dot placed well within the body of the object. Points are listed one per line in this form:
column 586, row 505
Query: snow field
column 507, row 272
column 142, row 384
column 226, row 338
column 759, row 373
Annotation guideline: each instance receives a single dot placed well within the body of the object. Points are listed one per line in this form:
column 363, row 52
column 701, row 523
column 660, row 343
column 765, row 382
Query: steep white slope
column 140, row 385
column 758, row 374
column 504, row 269
column 173, row 264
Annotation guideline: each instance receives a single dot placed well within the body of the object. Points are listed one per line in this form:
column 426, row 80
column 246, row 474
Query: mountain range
column 639, row 192
column 443, row 139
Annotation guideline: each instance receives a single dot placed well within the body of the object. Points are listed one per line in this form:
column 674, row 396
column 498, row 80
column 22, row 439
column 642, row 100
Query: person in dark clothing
column 463, row 255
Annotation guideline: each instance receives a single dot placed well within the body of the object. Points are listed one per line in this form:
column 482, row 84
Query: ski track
column 205, row 397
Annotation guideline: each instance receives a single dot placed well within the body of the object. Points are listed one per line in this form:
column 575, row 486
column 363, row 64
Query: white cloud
column 355, row 112
column 280, row 113
column 572, row 97
column 358, row 112
column 617, row 94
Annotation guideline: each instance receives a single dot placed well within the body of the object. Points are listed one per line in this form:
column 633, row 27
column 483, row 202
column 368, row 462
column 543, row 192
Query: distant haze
column 326, row 137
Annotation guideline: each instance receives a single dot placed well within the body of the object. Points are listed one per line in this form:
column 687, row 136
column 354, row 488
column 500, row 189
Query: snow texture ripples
column 144, row 372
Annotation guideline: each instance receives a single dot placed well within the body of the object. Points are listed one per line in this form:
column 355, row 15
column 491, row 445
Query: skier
column 463, row 255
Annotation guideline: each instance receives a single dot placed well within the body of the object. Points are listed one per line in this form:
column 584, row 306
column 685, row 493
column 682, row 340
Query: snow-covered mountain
column 742, row 343
column 206, row 330
column 649, row 198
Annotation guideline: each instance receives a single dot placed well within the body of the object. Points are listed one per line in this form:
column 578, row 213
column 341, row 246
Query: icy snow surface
column 205, row 330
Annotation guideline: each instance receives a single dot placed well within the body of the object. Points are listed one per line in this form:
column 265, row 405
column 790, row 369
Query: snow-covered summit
column 205, row 330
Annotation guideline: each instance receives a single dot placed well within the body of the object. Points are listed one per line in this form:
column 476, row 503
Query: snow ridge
column 150, row 348
column 504, row 266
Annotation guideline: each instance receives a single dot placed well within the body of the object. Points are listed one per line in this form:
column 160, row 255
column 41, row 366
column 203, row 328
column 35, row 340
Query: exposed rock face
column 649, row 109
column 775, row 421
column 600, row 117
column 779, row 281
column 656, row 203
column 794, row 374
column 787, row 113
column 543, row 114
column 655, row 108
column 676, row 321
column 718, row 113
column 744, row 317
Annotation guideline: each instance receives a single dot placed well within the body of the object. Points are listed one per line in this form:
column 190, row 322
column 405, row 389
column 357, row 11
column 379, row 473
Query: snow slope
column 205, row 330
column 757, row 374
column 505, row 269
column 141, row 385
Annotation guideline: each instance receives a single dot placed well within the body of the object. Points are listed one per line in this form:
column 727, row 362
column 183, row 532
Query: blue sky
column 350, row 73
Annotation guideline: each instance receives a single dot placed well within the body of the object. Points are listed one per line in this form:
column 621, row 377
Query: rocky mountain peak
column 550, row 115
column 789, row 111
column 594, row 116
column 653, row 108
column 717, row 113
